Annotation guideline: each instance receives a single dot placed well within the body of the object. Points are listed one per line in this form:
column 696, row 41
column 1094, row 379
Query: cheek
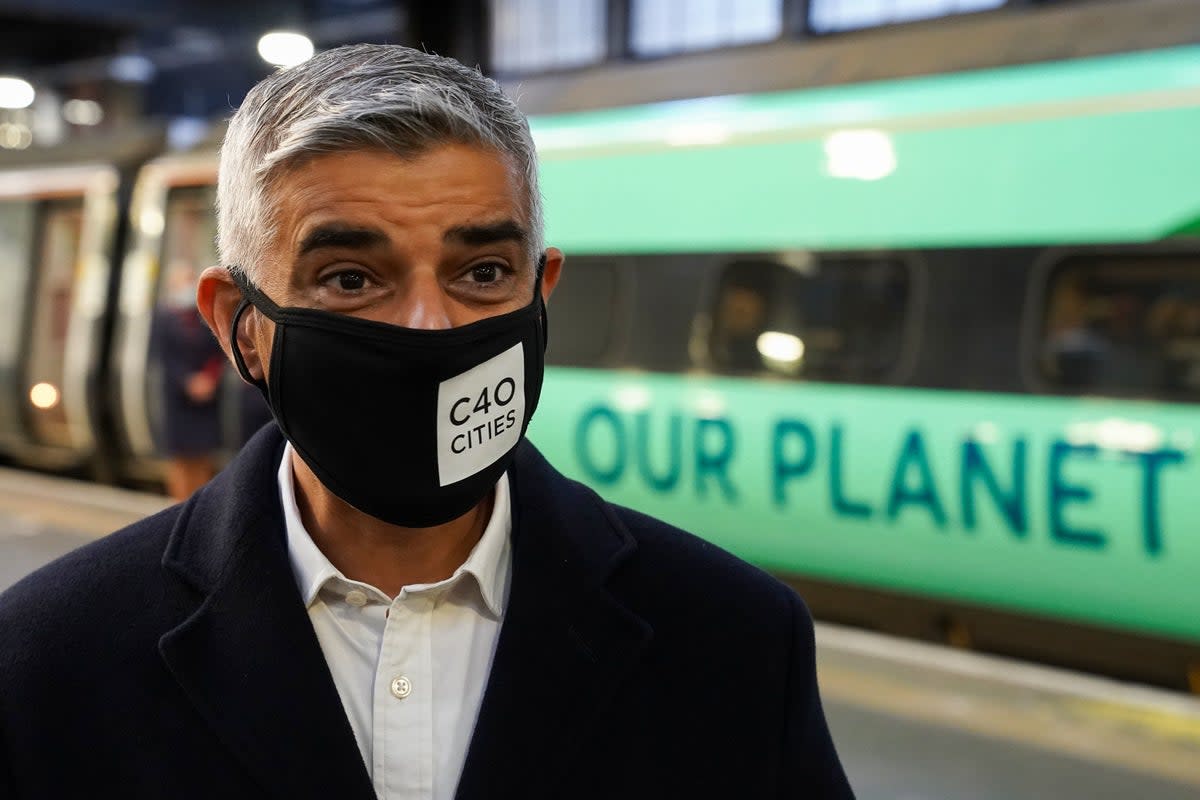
column 523, row 288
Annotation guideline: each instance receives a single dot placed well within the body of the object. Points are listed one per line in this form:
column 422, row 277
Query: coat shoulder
column 706, row 575
column 666, row 565
column 80, row 593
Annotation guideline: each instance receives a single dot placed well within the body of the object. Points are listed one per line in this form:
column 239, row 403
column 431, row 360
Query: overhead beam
column 978, row 41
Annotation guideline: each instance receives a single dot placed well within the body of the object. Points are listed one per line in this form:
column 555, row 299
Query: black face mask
column 411, row 426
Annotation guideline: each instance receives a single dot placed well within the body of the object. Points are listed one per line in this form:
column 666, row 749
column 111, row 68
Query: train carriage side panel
column 68, row 220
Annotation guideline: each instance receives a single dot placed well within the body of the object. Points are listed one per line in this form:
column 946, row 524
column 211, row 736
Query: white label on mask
column 480, row 414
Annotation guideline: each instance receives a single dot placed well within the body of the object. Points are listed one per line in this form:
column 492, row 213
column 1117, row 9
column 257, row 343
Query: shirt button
column 356, row 598
column 401, row 687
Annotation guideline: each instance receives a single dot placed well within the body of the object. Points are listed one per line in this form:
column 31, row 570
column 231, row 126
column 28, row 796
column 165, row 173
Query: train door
column 56, row 228
column 57, row 248
column 174, row 240
column 17, row 216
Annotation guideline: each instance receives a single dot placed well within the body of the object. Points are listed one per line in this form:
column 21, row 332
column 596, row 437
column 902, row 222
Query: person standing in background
column 192, row 365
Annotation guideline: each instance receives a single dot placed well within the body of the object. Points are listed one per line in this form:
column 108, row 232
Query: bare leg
column 186, row 474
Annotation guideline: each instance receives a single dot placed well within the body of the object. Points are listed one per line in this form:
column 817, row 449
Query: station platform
column 912, row 721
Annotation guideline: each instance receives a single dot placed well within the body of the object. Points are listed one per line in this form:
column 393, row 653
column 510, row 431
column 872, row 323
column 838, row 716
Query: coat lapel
column 247, row 658
column 566, row 645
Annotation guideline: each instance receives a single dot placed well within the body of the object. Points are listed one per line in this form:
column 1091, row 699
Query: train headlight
column 44, row 395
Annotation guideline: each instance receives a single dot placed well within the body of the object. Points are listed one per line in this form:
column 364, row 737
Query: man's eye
column 488, row 272
column 351, row 281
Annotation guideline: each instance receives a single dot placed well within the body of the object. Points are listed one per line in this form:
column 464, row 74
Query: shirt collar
column 488, row 562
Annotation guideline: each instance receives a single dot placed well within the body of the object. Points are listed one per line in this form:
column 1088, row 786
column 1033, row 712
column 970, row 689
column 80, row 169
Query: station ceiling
column 189, row 57
column 46, row 33
column 40, row 41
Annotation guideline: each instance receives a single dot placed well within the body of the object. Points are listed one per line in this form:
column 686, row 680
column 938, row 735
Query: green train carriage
column 936, row 340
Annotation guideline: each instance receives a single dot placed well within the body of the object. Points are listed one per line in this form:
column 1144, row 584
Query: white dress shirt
column 410, row 670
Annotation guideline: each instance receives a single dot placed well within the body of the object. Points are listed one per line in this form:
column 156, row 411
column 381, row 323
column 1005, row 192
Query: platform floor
column 912, row 721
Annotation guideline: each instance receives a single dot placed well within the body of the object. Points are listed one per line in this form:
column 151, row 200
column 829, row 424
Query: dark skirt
column 185, row 346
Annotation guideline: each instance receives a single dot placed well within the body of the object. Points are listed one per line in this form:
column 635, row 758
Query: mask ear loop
column 238, row 358
column 251, row 296
column 537, row 291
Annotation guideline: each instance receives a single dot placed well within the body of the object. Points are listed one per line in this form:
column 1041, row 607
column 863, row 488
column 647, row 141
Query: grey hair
column 358, row 97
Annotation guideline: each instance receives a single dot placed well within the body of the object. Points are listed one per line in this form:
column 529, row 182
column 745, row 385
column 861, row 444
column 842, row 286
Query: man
column 401, row 599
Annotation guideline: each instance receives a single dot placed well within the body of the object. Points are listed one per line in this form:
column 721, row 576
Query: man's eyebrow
column 338, row 235
column 490, row 233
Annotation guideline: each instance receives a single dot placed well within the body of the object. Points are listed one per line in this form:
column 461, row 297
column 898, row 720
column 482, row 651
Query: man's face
column 436, row 241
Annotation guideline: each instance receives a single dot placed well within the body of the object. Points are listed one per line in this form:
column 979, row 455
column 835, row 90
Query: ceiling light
column 15, row 136
column 131, row 68
column 15, row 93
column 284, row 49
column 82, row 112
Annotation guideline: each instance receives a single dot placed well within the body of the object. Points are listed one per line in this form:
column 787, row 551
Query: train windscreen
column 57, row 258
column 197, row 405
column 189, row 243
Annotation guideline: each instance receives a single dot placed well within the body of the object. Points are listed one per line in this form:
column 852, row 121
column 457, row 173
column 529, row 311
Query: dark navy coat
column 175, row 659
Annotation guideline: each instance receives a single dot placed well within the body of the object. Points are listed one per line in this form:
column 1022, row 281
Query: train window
column 57, row 255
column 581, row 313
column 1123, row 325
column 538, row 35
column 189, row 242
column 662, row 295
column 832, row 16
column 660, row 27
column 16, row 241
column 813, row 317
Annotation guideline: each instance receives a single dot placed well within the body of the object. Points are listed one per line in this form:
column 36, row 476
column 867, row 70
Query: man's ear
column 218, row 298
column 551, row 272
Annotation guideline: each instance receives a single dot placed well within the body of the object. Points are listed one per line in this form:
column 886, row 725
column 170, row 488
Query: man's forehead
column 322, row 188
column 451, row 157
